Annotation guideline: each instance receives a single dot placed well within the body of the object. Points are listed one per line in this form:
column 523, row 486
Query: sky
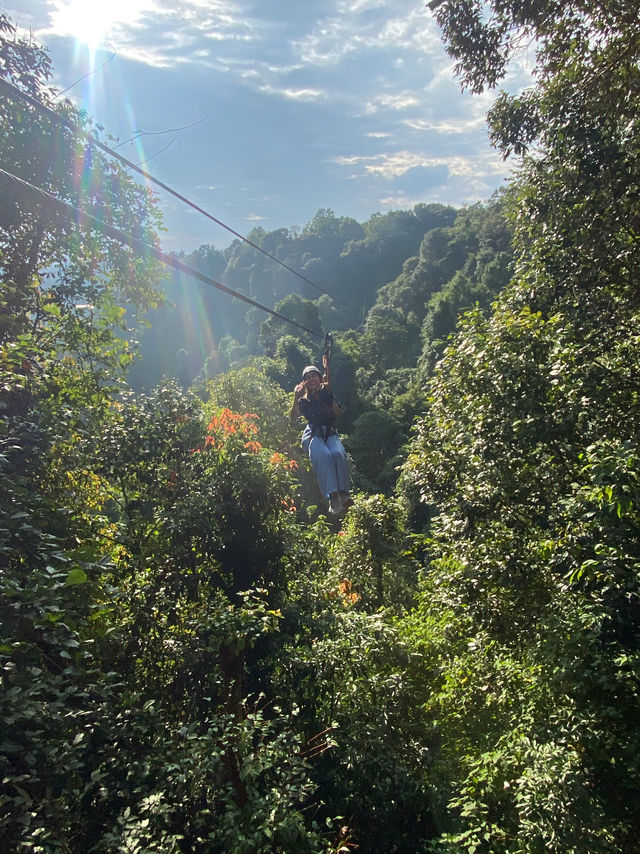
column 262, row 112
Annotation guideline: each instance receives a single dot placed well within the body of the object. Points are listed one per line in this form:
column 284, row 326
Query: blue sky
column 264, row 111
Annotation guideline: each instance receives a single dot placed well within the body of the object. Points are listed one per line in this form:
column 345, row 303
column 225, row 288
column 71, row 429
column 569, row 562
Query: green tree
column 345, row 665
column 457, row 266
column 374, row 443
column 296, row 308
column 386, row 341
column 64, row 287
column 526, row 454
column 290, row 357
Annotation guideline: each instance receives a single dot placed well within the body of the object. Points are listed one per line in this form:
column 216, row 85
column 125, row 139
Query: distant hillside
column 351, row 261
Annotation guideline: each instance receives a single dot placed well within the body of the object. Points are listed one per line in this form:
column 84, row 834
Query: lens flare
column 91, row 21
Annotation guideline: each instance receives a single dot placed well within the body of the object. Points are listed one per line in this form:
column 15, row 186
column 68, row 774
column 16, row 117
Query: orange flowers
column 232, row 422
column 226, row 424
column 348, row 593
column 280, row 460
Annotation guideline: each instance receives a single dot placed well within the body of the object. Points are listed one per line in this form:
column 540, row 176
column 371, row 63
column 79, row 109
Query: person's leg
column 323, row 466
column 340, row 463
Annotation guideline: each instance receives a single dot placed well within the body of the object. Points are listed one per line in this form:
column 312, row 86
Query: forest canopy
column 195, row 657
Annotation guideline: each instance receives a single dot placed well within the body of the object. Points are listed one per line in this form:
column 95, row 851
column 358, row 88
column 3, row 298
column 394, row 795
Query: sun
column 90, row 21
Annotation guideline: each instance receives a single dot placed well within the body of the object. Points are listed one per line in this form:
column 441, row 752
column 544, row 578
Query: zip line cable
column 93, row 141
column 79, row 216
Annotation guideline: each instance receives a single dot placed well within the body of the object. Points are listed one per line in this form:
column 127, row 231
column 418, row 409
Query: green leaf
column 76, row 576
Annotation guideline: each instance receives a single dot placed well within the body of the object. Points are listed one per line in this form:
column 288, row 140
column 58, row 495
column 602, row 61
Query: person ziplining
column 313, row 397
column 314, row 400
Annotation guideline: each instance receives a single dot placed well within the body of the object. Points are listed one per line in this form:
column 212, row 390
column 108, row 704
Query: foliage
column 374, row 445
column 508, row 456
column 250, row 389
column 374, row 560
column 189, row 662
column 527, row 456
column 301, row 311
column 61, row 356
column 347, row 673
column 348, row 260
column 131, row 531
column 290, row 357
column 467, row 263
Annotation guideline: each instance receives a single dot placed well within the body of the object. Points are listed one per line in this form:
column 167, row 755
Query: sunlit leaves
column 527, row 457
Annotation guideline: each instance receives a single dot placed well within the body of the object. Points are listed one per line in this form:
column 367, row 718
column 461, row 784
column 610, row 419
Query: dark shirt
column 318, row 410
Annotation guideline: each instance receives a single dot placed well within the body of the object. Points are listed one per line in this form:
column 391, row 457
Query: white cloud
column 293, row 94
column 26, row 14
column 399, row 101
column 353, row 31
column 310, row 95
column 356, row 6
column 445, row 126
column 390, row 166
column 159, row 33
column 216, row 34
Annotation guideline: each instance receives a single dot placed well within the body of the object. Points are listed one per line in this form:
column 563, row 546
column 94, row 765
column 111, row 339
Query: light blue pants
column 329, row 462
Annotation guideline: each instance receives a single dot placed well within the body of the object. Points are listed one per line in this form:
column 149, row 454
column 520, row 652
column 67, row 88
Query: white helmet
column 311, row 369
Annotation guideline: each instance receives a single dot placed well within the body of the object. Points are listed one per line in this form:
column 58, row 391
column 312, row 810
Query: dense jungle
column 195, row 656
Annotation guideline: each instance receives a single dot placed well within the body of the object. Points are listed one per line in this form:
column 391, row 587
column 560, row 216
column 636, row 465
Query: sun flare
column 91, row 21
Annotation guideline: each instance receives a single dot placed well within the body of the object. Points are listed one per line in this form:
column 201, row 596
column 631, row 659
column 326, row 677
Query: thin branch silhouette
column 147, row 159
column 88, row 74
column 140, row 133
